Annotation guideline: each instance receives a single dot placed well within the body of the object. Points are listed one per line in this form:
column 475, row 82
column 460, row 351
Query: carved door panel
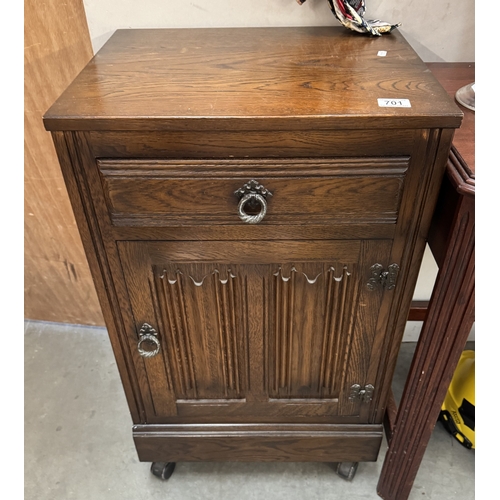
column 275, row 331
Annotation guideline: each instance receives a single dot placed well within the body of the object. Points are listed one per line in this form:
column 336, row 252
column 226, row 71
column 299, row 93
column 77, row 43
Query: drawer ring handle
column 255, row 194
column 252, row 219
column 148, row 333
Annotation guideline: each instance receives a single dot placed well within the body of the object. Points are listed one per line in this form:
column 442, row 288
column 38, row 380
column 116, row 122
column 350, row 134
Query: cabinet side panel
column 70, row 159
column 423, row 181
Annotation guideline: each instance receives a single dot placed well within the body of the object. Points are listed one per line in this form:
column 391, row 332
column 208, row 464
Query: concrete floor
column 78, row 441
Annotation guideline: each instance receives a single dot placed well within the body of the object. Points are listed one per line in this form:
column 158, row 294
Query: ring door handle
column 252, row 194
column 147, row 334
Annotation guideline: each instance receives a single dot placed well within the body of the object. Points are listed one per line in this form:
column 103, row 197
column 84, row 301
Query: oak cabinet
column 254, row 219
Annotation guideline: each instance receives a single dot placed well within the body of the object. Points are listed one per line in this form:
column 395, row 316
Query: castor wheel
column 347, row 470
column 163, row 470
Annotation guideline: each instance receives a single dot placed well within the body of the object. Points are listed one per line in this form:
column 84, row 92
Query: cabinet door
column 276, row 331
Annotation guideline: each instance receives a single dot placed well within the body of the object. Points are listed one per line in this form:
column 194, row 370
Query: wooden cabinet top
column 251, row 79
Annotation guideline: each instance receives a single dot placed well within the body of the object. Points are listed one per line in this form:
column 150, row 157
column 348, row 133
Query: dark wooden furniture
column 254, row 219
column 449, row 315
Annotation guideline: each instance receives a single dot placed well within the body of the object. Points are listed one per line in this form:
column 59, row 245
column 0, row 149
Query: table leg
column 444, row 333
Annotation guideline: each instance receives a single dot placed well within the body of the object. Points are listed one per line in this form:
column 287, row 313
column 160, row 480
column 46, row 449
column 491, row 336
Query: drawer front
column 176, row 192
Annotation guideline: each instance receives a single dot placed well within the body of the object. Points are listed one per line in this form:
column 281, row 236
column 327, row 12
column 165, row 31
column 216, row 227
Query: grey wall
column 439, row 30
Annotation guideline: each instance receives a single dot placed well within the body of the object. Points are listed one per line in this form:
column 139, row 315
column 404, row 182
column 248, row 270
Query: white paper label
column 382, row 53
column 394, row 103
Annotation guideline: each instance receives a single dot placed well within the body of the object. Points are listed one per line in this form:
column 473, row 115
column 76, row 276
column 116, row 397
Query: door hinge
column 381, row 277
column 364, row 394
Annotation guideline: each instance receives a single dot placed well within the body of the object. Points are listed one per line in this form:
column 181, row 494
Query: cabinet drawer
column 180, row 192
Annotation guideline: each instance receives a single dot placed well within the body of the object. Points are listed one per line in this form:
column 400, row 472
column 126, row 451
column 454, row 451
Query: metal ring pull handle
column 252, row 219
column 148, row 333
column 252, row 193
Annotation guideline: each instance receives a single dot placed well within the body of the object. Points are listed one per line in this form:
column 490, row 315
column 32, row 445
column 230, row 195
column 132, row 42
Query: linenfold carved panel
column 308, row 328
column 198, row 304
column 311, row 328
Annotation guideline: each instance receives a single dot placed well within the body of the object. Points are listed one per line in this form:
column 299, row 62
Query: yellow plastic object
column 458, row 410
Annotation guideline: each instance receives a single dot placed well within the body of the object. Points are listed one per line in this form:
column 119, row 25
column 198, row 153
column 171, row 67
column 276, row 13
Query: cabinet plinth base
column 263, row 443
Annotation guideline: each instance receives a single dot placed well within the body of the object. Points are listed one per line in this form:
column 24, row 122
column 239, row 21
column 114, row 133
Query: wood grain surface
column 254, row 327
column 453, row 76
column 229, row 78
column 460, row 167
column 450, row 313
column 173, row 192
column 258, row 442
column 58, row 285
